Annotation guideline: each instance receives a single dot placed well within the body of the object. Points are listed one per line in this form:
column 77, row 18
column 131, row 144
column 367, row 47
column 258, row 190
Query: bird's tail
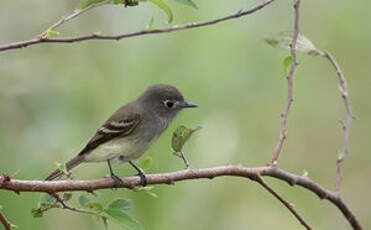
column 69, row 165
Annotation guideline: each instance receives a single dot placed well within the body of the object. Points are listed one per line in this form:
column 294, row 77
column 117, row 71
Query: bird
column 128, row 133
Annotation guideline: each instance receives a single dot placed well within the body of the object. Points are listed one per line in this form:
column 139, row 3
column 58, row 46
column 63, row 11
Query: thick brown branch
column 7, row 225
column 346, row 125
column 290, row 81
column 41, row 39
column 188, row 174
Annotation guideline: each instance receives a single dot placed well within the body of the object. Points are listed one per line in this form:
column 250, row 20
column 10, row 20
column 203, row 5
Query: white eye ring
column 169, row 104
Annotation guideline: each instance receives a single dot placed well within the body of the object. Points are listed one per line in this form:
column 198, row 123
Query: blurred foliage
column 54, row 96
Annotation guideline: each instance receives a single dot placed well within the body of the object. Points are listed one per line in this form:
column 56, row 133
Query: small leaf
column 45, row 203
column 340, row 155
column 46, row 199
column 95, row 206
column 150, row 24
column 52, row 32
column 181, row 135
column 187, row 3
column 147, row 190
column 67, row 196
column 340, row 89
column 123, row 219
column 146, row 163
column 162, row 5
column 305, row 173
column 84, row 201
column 283, row 40
column 62, row 167
column 121, row 204
column 286, row 63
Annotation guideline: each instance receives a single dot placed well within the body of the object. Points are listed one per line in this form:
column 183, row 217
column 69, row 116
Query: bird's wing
column 118, row 125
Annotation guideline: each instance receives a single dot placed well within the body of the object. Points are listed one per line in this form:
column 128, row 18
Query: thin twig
column 346, row 125
column 183, row 157
column 290, row 81
column 284, row 202
column 65, row 206
column 65, row 19
column 188, row 174
column 7, row 225
column 96, row 36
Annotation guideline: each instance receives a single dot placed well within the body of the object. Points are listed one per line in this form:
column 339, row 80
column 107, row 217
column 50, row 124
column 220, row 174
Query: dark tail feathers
column 69, row 165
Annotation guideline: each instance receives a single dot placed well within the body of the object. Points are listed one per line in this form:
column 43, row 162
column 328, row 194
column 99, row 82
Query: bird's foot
column 143, row 179
column 117, row 180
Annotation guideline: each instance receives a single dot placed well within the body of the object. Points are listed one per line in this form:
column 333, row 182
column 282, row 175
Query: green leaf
column 67, row 196
column 86, row 3
column 84, row 201
column 121, row 204
column 46, row 199
column 95, row 206
column 147, row 190
column 61, row 166
column 123, row 219
column 45, row 203
column 146, row 163
column 305, row 173
column 52, row 32
column 150, row 24
column 181, row 135
column 340, row 88
column 162, row 5
column 284, row 38
column 286, row 63
column 187, row 3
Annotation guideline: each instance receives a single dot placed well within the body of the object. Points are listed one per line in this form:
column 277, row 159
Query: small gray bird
column 131, row 130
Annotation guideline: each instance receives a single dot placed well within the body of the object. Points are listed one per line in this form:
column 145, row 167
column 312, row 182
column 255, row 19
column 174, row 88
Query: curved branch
column 350, row 116
column 94, row 36
column 188, row 174
column 290, row 82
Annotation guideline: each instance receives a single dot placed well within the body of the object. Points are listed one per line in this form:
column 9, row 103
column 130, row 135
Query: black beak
column 186, row 104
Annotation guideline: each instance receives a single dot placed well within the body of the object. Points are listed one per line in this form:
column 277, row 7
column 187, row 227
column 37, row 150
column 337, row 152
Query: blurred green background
column 54, row 96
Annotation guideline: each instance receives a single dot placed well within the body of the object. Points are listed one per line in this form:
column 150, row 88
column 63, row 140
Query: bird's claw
column 143, row 179
column 117, row 180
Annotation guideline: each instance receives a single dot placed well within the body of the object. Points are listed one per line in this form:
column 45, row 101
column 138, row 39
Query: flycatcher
column 131, row 130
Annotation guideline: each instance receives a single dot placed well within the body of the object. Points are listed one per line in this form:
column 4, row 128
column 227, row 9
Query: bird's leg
column 141, row 174
column 115, row 178
column 181, row 155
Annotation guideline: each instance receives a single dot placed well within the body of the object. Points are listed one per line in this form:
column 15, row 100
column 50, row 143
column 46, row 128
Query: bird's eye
column 169, row 104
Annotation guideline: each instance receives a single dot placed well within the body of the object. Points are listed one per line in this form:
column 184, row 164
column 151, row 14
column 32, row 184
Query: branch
column 65, row 206
column 7, row 225
column 290, row 79
column 94, row 36
column 284, row 202
column 346, row 125
column 188, row 174
column 65, row 19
